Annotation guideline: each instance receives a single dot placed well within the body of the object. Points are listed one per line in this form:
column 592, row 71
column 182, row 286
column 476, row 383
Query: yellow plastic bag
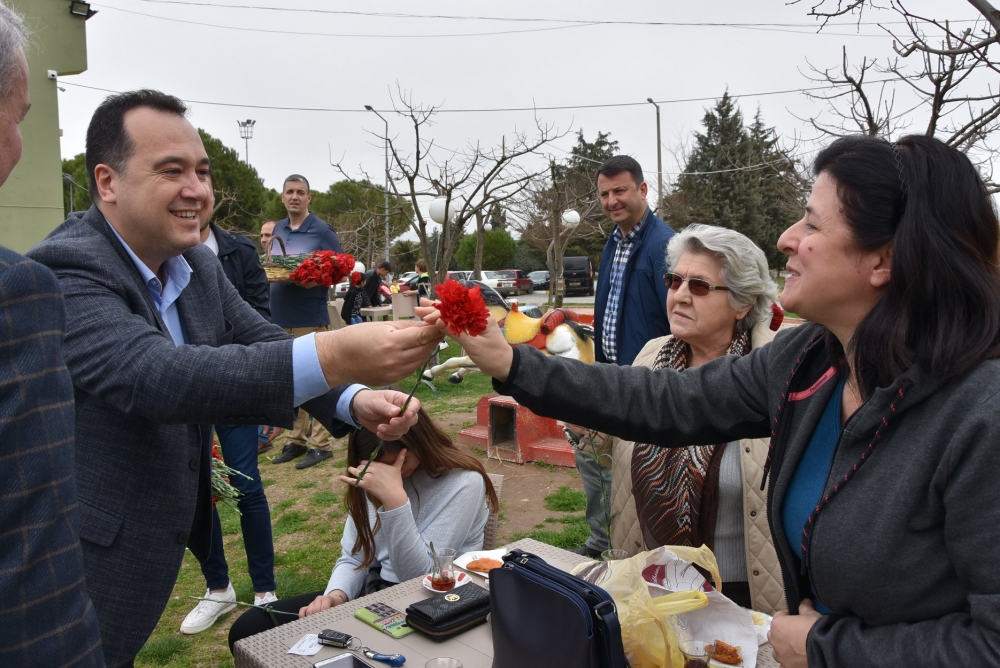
column 647, row 635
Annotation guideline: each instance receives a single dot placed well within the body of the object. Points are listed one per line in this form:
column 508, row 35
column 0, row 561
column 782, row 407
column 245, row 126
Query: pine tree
column 738, row 177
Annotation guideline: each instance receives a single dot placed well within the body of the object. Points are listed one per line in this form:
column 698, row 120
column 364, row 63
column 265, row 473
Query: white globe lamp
column 570, row 218
column 440, row 210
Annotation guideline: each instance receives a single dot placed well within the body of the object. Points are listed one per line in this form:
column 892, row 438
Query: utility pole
column 556, row 283
column 659, row 161
column 246, row 133
column 372, row 109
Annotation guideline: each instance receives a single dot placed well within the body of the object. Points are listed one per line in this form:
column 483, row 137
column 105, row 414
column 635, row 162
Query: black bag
column 545, row 617
column 450, row 613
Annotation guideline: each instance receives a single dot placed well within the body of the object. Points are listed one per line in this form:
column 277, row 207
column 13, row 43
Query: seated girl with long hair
column 421, row 488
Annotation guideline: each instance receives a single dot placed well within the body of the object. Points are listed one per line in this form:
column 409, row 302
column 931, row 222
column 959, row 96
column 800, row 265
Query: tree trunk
column 477, row 266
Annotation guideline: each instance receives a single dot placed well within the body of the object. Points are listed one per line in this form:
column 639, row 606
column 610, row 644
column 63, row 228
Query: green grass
column 283, row 506
column 546, row 466
column 566, row 500
column 290, row 522
column 305, row 485
column 160, row 652
column 574, row 534
column 324, row 499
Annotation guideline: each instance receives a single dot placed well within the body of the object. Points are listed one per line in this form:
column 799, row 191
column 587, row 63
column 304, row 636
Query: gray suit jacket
column 144, row 410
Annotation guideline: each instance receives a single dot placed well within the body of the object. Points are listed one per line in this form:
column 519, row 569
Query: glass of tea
column 697, row 653
column 443, row 577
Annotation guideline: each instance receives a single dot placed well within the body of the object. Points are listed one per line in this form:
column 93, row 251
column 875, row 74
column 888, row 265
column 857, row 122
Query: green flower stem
column 266, row 608
column 378, row 448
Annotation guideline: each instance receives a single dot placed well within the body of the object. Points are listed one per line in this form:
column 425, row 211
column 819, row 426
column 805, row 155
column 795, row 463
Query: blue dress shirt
column 307, row 374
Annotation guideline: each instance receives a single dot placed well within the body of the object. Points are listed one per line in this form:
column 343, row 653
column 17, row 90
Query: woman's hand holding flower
column 461, row 314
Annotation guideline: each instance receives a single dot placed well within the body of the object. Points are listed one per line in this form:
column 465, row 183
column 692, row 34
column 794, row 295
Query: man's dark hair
column 618, row 164
column 107, row 141
column 296, row 177
column 385, row 265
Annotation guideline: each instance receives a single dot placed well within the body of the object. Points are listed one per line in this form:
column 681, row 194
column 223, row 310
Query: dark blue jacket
column 642, row 312
column 241, row 265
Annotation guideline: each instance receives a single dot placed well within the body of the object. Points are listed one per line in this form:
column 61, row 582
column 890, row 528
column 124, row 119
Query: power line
column 496, row 109
column 530, row 19
column 329, row 34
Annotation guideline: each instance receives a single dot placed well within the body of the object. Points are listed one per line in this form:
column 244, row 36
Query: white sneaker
column 206, row 612
column 267, row 598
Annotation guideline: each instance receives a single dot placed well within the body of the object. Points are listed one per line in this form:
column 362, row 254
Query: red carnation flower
column 777, row 316
column 356, row 278
column 324, row 267
column 462, row 309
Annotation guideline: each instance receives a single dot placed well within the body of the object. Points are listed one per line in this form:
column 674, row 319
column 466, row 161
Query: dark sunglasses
column 699, row 287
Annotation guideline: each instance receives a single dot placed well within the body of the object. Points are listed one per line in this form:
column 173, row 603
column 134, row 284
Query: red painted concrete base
column 509, row 431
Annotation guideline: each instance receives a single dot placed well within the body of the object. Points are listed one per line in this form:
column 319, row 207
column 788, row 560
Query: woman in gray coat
column 884, row 415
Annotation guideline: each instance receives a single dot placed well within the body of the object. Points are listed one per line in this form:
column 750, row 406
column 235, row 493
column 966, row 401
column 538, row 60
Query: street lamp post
column 372, row 109
column 659, row 161
column 246, row 134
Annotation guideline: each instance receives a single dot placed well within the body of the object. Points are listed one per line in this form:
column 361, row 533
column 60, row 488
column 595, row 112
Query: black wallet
column 450, row 613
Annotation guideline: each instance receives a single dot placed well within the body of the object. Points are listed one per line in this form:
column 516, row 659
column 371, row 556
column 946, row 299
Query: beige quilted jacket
column 766, row 590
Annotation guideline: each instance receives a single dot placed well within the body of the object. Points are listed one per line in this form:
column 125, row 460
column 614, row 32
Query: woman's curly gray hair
column 744, row 268
column 13, row 40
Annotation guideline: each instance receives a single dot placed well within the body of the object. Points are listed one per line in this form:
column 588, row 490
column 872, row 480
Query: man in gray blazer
column 160, row 346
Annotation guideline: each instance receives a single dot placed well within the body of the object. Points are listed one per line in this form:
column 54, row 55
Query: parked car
column 514, row 281
column 539, row 280
column 458, row 275
column 578, row 273
column 406, row 276
column 493, row 300
column 492, row 279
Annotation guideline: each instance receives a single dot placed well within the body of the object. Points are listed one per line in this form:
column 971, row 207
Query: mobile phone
column 346, row 660
column 386, row 619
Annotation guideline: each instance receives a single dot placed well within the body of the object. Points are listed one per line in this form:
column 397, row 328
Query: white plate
column 461, row 578
column 463, row 561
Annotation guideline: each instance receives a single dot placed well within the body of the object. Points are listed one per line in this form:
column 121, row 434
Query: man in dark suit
column 46, row 617
column 161, row 346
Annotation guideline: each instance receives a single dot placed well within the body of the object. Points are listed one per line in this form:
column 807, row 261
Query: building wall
column 31, row 201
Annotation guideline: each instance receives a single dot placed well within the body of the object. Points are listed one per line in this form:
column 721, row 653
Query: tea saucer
column 461, row 578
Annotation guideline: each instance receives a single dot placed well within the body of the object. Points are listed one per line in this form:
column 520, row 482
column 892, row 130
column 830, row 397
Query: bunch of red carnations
column 222, row 490
column 324, row 268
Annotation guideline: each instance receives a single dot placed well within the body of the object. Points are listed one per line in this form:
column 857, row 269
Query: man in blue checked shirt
column 630, row 309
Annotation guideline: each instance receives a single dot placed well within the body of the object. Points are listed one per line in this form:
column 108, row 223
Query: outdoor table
column 473, row 648
column 377, row 312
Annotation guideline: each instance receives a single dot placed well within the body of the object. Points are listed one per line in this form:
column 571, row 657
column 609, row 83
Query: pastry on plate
column 726, row 653
column 484, row 565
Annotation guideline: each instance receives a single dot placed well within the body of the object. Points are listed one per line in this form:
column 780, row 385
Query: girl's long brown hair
column 437, row 453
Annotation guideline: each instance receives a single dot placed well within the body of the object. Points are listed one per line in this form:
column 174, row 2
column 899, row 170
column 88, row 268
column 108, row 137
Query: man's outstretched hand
column 378, row 412
column 375, row 353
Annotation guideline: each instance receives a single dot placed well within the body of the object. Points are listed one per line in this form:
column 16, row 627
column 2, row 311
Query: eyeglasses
column 699, row 287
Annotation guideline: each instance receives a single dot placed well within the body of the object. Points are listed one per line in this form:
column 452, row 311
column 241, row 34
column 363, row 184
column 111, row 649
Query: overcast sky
column 273, row 60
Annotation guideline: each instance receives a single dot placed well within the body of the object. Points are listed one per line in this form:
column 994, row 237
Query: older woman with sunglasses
column 884, row 415
column 719, row 303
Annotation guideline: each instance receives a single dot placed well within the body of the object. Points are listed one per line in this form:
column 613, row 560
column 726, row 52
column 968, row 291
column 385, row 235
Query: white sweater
column 451, row 511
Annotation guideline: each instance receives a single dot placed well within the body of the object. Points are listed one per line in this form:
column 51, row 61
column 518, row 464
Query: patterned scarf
column 669, row 484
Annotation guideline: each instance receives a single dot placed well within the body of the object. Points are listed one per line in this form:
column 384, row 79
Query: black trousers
column 257, row 620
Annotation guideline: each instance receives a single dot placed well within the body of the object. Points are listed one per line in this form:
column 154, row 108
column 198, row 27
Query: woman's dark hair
column 437, row 453
column 941, row 308
column 108, row 142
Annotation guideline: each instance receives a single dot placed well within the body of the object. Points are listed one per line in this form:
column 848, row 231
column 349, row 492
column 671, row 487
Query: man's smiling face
column 159, row 197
